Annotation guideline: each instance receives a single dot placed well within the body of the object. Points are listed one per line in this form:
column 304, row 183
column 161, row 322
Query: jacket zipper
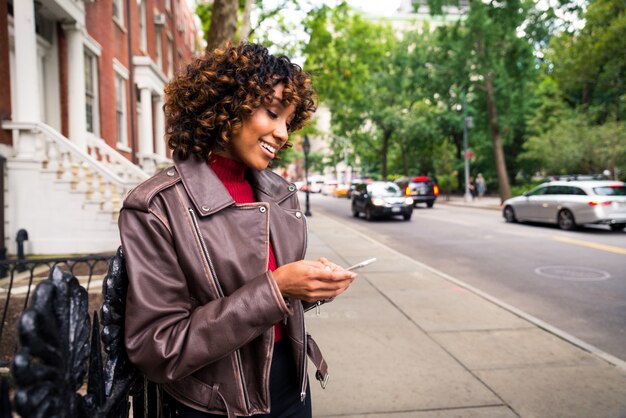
column 221, row 294
column 304, row 337
column 205, row 250
column 304, row 360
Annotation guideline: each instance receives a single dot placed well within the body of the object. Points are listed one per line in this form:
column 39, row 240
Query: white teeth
column 268, row 147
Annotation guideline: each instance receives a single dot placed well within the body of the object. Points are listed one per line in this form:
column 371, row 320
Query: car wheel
column 407, row 216
column 355, row 212
column 368, row 214
column 509, row 214
column 566, row 220
column 430, row 203
column 617, row 227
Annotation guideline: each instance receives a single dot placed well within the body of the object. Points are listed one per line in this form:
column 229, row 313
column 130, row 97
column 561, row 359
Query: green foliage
column 575, row 146
column 589, row 65
column 526, row 186
column 204, row 12
column 559, row 93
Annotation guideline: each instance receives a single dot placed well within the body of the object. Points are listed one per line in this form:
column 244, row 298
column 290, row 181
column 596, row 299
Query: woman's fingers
column 313, row 280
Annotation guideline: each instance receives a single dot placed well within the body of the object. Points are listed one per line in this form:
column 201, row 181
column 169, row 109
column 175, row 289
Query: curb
column 470, row 205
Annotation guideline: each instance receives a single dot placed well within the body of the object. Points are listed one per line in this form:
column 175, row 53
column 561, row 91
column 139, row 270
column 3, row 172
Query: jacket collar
column 209, row 195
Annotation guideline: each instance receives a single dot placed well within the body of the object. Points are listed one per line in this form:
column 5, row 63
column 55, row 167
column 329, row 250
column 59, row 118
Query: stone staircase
column 68, row 199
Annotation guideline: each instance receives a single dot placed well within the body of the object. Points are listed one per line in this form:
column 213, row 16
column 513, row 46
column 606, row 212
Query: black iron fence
column 69, row 363
column 18, row 279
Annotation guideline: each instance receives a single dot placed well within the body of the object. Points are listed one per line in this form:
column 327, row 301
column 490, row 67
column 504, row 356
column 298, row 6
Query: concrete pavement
column 408, row 341
column 486, row 202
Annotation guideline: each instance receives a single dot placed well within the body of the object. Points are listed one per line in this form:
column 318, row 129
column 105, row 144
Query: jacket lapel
column 205, row 189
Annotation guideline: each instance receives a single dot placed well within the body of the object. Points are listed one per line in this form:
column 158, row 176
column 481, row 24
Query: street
column 575, row 281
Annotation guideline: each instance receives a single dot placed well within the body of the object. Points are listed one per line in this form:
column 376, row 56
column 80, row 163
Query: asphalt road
column 575, row 281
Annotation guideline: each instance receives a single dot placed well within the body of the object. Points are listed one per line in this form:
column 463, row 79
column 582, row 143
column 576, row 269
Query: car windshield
column 384, row 190
column 616, row 190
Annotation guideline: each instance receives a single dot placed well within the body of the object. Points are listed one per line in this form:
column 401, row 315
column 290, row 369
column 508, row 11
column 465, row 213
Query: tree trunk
column 223, row 27
column 405, row 158
column 494, row 127
column 244, row 32
column 457, row 137
column 496, row 139
column 385, row 150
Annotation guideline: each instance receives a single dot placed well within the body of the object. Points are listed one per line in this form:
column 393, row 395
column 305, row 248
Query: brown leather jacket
column 201, row 303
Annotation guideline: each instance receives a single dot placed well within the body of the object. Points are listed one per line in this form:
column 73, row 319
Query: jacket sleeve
column 167, row 335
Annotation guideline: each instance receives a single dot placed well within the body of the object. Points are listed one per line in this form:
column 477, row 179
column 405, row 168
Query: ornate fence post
column 50, row 367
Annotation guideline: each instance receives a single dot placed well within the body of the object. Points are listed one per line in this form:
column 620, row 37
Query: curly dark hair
column 208, row 101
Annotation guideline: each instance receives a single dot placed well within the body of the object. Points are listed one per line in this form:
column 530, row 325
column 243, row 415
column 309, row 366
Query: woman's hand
column 312, row 280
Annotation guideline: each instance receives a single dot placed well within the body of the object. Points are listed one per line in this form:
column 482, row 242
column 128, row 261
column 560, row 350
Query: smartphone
column 362, row 264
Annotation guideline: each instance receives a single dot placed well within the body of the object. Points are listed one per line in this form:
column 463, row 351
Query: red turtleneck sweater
column 232, row 174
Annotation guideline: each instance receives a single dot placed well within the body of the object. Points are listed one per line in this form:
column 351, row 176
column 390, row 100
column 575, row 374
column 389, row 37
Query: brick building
column 81, row 96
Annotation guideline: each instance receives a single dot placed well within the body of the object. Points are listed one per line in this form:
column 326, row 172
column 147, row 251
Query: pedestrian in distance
column 472, row 187
column 214, row 246
column 481, row 186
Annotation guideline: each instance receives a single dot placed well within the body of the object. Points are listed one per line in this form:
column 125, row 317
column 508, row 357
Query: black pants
column 284, row 392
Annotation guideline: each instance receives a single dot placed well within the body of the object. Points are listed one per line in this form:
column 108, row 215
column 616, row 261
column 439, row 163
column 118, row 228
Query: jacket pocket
column 197, row 392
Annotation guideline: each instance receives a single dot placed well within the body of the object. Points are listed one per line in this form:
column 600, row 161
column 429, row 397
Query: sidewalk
column 407, row 341
column 486, row 202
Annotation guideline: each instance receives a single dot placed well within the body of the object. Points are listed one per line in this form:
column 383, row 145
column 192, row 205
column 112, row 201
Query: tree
column 246, row 20
column 498, row 39
column 223, row 28
column 589, row 64
column 346, row 54
column 575, row 146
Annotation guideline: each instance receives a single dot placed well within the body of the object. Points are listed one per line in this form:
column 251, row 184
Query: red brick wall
column 100, row 26
column 5, row 74
column 114, row 42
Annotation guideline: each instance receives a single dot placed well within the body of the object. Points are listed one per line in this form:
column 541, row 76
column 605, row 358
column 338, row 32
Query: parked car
column 315, row 185
column 381, row 199
column 422, row 189
column 570, row 204
column 328, row 187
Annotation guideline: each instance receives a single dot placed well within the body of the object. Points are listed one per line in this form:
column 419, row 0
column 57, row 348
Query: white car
column 570, row 204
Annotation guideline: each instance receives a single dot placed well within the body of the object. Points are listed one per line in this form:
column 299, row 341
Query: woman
column 215, row 246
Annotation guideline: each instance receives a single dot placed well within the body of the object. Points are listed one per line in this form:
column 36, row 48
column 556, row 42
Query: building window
column 170, row 58
column 120, row 111
column 143, row 37
column 158, row 47
column 91, row 93
column 118, row 12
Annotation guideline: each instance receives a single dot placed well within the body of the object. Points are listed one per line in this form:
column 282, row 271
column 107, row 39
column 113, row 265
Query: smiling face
column 262, row 134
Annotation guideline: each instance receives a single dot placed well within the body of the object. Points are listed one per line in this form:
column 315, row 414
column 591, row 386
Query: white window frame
column 119, row 16
column 158, row 44
column 143, row 26
column 170, row 57
column 91, row 62
column 121, row 133
column 92, row 51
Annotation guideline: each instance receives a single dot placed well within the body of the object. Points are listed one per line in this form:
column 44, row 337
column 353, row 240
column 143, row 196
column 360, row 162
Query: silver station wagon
column 570, row 204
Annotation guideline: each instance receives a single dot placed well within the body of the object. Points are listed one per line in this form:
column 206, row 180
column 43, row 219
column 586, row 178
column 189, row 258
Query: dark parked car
column 381, row 199
column 422, row 189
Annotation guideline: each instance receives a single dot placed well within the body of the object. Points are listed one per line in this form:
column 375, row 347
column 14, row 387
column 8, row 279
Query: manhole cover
column 574, row 274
